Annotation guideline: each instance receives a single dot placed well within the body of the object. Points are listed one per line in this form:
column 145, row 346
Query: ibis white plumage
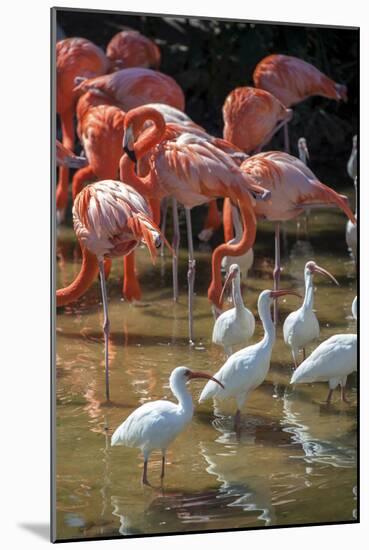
column 351, row 229
column 236, row 325
column 154, row 425
column 302, row 326
column 246, row 369
column 352, row 162
column 332, row 361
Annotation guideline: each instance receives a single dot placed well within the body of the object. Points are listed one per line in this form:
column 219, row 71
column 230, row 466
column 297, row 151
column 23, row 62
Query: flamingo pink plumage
column 251, row 117
column 130, row 48
column 110, row 219
column 75, row 57
column 192, row 170
column 292, row 80
column 130, row 88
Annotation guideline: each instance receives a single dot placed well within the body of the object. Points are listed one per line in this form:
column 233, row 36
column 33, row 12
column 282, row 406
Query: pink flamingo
column 110, row 219
column 75, row 57
column 130, row 48
column 293, row 188
column 192, row 170
column 292, row 80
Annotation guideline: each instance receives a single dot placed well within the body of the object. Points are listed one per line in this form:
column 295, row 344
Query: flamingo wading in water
column 156, row 424
column 110, row 219
column 332, row 361
column 194, row 171
column 294, row 188
column 236, row 325
column 246, row 369
column 302, row 326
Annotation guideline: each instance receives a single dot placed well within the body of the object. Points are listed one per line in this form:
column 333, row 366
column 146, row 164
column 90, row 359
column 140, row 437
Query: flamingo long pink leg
column 106, row 326
column 277, row 266
column 175, row 246
column 190, row 274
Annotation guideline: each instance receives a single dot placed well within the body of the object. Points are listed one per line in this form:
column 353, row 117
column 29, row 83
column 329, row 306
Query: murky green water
column 296, row 459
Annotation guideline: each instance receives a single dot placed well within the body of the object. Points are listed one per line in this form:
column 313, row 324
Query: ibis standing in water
column 246, row 369
column 154, row 425
column 332, row 361
column 236, row 325
column 302, row 326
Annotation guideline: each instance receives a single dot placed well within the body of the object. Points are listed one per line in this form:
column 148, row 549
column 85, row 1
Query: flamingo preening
column 192, row 170
column 156, row 424
column 246, row 369
column 130, row 48
column 110, row 219
column 332, row 361
column 292, row 80
column 302, row 326
column 75, row 57
column 251, row 118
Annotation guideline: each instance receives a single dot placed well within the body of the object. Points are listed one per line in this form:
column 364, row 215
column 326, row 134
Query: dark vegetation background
column 208, row 58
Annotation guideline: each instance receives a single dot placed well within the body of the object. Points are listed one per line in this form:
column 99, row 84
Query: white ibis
column 236, row 325
column 351, row 229
column 354, row 308
column 302, row 326
column 246, row 369
column 154, row 425
column 332, row 361
column 352, row 162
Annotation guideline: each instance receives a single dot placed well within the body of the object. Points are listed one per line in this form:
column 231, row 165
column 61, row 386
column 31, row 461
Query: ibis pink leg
column 343, row 394
column 145, row 481
column 175, row 246
column 190, row 275
column 329, row 397
column 106, row 326
column 277, row 267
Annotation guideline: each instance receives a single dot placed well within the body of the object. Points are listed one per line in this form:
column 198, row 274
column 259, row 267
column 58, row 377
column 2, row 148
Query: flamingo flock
column 142, row 153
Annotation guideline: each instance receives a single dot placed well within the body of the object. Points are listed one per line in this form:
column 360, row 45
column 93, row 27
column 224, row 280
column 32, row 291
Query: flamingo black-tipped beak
column 197, row 374
column 128, row 141
column 322, row 271
column 131, row 153
column 284, row 292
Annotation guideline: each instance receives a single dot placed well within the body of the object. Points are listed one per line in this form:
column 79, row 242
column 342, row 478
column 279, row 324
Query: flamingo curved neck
column 309, row 292
column 237, row 224
column 146, row 186
column 266, row 319
column 82, row 282
column 183, row 396
column 238, row 249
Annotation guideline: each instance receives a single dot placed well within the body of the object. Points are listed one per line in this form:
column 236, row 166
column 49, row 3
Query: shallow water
column 295, row 461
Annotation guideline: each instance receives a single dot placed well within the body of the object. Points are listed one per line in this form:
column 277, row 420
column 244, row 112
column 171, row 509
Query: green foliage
column 209, row 58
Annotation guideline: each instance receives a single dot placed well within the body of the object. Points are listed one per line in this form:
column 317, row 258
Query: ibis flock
column 146, row 156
